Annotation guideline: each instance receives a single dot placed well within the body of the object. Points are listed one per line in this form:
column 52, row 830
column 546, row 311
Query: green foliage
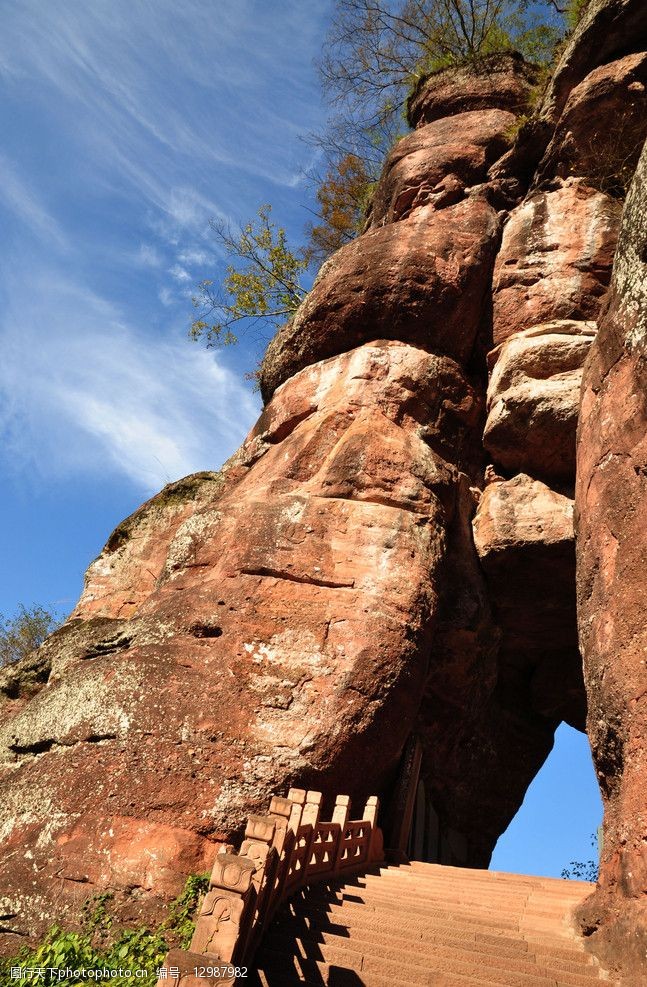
column 91, row 949
column 265, row 283
column 181, row 911
column 23, row 633
column 574, row 12
column 583, row 870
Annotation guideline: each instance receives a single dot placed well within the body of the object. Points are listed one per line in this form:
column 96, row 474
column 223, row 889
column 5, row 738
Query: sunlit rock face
column 603, row 125
column 282, row 633
column 555, row 258
column 392, row 550
column 423, row 280
column 502, row 82
column 439, row 162
column 533, row 399
column 611, row 500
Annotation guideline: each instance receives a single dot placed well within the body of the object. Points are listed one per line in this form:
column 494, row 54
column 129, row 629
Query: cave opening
column 559, row 818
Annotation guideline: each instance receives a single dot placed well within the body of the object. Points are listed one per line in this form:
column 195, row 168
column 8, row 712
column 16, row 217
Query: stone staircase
column 414, row 924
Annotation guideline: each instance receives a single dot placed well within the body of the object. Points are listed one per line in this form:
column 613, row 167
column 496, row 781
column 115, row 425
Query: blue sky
column 127, row 125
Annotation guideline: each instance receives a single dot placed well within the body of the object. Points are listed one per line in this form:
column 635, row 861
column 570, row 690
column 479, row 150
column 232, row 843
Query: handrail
column 281, row 852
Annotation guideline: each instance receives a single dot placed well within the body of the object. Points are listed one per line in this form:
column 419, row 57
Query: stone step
column 491, row 878
column 418, row 974
column 372, row 932
column 507, row 905
column 401, row 914
column 338, row 977
column 570, row 889
column 310, row 944
column 379, row 925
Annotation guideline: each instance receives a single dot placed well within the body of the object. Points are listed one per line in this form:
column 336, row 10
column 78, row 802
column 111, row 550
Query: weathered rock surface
column 286, row 638
column 423, row 281
column 501, row 82
column 607, row 30
column 611, row 501
column 555, row 258
column 438, row 161
column 523, row 532
column 602, row 129
column 533, row 399
column 126, row 572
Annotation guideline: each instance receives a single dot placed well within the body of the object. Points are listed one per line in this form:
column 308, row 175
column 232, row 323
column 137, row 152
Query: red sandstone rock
column 127, row 570
column 500, row 82
column 422, row 281
column 611, row 498
column 607, row 30
column 602, row 129
column 555, row 258
column 435, row 163
column 534, row 397
column 285, row 640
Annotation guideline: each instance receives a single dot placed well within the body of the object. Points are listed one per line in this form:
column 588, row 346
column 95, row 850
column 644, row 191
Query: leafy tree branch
column 265, row 284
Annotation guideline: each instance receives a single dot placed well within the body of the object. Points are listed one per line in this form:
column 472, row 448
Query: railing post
column 376, row 847
column 310, row 817
column 341, row 812
column 341, row 815
column 258, row 846
column 298, row 798
column 221, row 925
column 282, row 812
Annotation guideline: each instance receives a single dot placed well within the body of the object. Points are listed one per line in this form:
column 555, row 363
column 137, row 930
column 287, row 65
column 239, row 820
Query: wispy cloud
column 92, row 394
column 26, row 205
column 164, row 84
column 179, row 273
column 128, row 127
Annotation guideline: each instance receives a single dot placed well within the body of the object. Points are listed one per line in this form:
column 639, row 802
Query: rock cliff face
column 391, row 551
column 612, row 587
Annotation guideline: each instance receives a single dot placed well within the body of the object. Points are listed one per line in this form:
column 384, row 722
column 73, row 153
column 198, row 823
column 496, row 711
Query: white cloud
column 195, row 257
column 26, row 204
column 151, row 91
column 148, row 256
column 91, row 394
column 179, row 273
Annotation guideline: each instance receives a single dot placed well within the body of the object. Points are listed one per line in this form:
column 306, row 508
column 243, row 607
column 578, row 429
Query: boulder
column 523, row 532
column 555, row 258
column 422, row 281
column 438, row 161
column 502, row 82
column 285, row 641
column 607, row 30
column 602, row 128
column 533, row 399
column 611, row 497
